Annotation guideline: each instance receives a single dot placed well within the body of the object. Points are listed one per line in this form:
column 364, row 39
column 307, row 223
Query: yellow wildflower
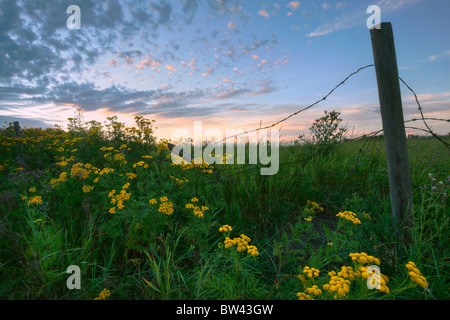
column 242, row 244
column 304, row 296
column 103, row 295
column 166, row 207
column 87, row 189
column 349, row 216
column 35, row 200
column 415, row 275
column 130, row 175
column 363, row 258
column 311, row 272
column 225, row 228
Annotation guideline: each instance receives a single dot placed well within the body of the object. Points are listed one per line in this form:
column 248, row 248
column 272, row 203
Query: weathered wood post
column 393, row 127
column 16, row 129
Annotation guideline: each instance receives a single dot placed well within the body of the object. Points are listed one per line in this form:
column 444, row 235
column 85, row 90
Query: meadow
column 108, row 199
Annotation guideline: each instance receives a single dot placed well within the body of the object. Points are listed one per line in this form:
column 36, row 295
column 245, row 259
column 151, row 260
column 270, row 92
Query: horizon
column 229, row 64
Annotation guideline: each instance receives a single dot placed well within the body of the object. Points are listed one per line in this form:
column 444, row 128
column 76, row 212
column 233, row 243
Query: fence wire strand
column 230, row 177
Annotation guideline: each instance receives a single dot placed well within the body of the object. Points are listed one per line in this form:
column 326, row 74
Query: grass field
column 109, row 200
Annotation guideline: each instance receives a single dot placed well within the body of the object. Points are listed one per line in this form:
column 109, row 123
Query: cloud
column 332, row 27
column 112, row 63
column 190, row 8
column 439, row 56
column 293, row 5
column 233, row 26
column 149, row 63
column 170, row 67
column 164, row 10
column 430, row 97
column 394, row 5
column 351, row 19
column 263, row 13
column 26, row 122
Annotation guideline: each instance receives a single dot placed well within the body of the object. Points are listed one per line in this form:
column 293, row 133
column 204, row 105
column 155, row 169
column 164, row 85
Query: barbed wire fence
column 365, row 137
column 223, row 176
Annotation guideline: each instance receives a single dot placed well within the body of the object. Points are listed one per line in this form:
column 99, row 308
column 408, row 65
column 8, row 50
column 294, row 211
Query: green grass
column 142, row 253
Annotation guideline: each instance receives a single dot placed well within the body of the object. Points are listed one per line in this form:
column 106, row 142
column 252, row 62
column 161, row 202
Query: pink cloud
column 112, row 63
column 263, row 13
column 293, row 5
column 170, row 67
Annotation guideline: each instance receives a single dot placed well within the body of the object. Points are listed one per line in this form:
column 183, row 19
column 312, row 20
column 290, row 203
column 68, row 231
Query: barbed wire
column 229, row 177
column 422, row 116
column 299, row 111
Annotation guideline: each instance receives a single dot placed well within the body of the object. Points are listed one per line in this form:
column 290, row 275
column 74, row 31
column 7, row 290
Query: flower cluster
column 35, row 200
column 311, row 272
column 313, row 290
column 347, row 273
column 63, row 161
column 104, row 171
column 337, row 285
column 87, row 189
column 242, row 244
column 198, row 211
column 165, row 206
column 363, row 258
column 195, row 163
column 119, row 199
column 225, row 228
column 383, row 280
column 416, row 275
column 349, row 216
column 131, row 175
column 62, row 177
column 80, row 172
column 304, row 296
column 103, row 295
column 141, row 164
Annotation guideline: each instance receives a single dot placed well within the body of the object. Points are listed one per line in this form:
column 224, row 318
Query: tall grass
column 143, row 251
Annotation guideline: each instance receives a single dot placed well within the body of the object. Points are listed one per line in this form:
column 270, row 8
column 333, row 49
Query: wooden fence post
column 16, row 129
column 394, row 128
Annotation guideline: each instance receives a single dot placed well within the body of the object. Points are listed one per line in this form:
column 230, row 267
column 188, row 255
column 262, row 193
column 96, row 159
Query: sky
column 231, row 64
